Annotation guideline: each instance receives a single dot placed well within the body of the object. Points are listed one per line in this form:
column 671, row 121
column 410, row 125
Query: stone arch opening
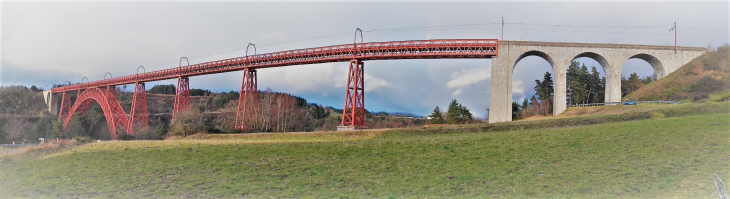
column 593, row 88
column 528, row 67
column 540, row 54
column 653, row 62
column 639, row 70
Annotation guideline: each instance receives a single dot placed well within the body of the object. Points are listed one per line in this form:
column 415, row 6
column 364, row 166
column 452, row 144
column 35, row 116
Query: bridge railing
column 622, row 103
column 423, row 49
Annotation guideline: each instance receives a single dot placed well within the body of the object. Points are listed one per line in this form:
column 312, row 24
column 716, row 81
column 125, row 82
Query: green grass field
column 669, row 156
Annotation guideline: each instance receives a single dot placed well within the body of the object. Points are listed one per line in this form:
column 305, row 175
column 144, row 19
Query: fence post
column 720, row 187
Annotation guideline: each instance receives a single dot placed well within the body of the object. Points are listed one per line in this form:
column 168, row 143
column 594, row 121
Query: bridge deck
column 424, row 49
column 600, row 45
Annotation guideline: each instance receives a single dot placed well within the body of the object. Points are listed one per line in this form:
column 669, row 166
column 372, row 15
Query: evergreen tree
column 163, row 89
column 585, row 84
column 516, row 113
column 436, row 116
column 3, row 136
column 596, row 88
column 544, row 91
column 464, row 114
column 525, row 104
column 534, row 106
column 602, row 92
column 634, row 82
column 452, row 114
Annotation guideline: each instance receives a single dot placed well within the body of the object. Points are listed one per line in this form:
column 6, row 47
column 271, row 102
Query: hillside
column 706, row 78
column 23, row 116
column 19, row 100
column 647, row 158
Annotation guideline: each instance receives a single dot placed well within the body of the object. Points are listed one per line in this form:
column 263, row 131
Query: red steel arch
column 107, row 99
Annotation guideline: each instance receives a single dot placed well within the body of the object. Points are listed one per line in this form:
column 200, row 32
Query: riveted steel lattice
column 353, row 113
column 65, row 104
column 182, row 95
column 106, row 97
column 103, row 91
column 248, row 99
column 139, row 108
column 425, row 49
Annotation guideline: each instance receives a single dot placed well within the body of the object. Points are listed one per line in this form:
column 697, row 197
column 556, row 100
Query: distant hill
column 706, row 78
column 19, row 100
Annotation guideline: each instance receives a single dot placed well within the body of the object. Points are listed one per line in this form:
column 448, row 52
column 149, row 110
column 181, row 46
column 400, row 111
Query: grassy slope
column 707, row 74
column 661, row 157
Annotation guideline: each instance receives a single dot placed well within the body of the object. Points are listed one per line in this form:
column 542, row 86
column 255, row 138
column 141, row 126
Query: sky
column 52, row 42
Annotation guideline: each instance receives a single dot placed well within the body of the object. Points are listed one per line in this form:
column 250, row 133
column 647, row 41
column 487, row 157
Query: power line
column 707, row 29
column 469, row 26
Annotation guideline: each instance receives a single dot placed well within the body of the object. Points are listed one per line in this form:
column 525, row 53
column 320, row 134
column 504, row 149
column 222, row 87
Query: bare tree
column 187, row 121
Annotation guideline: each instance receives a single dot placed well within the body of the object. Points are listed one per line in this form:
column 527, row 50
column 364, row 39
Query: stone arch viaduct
column 611, row 57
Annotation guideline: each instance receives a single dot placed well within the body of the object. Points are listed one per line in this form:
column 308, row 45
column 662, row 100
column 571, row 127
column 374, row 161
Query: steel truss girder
column 353, row 113
column 426, row 49
column 182, row 95
column 107, row 99
column 248, row 99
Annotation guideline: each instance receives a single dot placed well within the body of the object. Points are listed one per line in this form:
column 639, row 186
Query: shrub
column 187, row 122
column 81, row 139
column 700, row 97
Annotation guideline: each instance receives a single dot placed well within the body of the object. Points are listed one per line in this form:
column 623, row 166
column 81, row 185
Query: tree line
column 634, row 82
column 582, row 87
column 455, row 114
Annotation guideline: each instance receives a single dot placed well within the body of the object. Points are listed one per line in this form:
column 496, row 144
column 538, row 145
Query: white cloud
column 465, row 78
column 306, row 78
column 372, row 83
column 458, row 91
column 518, row 87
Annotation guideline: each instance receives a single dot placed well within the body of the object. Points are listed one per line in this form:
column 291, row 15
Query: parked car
column 629, row 102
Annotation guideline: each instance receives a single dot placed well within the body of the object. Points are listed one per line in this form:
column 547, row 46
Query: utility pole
column 674, row 28
column 502, row 27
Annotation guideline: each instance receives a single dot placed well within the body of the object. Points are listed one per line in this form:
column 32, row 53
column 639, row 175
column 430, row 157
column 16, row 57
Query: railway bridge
column 504, row 55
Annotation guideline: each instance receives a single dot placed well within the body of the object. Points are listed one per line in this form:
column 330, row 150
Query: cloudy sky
column 53, row 42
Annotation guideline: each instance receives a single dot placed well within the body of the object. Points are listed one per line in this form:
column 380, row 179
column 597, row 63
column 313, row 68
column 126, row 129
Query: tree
column 436, row 116
column 187, row 121
column 544, row 91
column 161, row 129
column 457, row 113
column 464, row 114
column 35, row 89
column 199, row 92
column 532, row 108
column 318, row 112
column 3, row 136
column 525, row 104
column 516, row 113
column 163, row 89
column 452, row 114
column 573, row 86
column 597, row 87
column 634, row 82
column 582, row 86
